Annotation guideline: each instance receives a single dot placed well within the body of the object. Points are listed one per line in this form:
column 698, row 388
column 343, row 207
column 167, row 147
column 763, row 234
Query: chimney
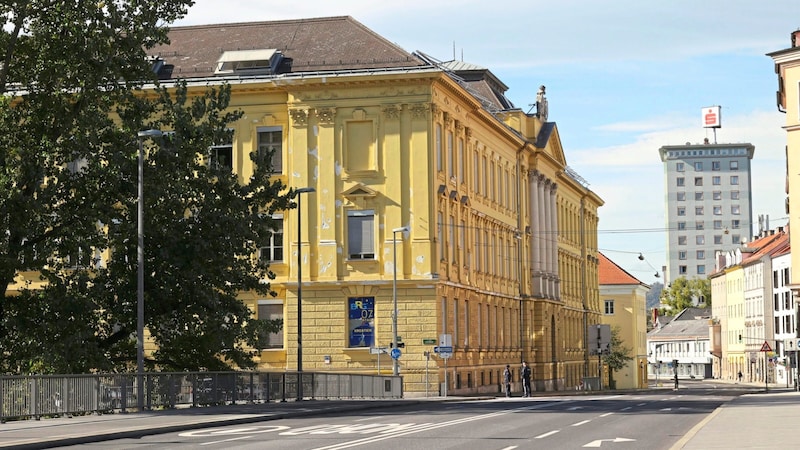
column 796, row 38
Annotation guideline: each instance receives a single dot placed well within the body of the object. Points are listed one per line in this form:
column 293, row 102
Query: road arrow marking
column 599, row 442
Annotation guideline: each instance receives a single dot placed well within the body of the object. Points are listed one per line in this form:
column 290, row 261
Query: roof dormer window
column 264, row 60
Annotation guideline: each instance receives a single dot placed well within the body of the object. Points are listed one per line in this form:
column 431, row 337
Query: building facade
column 708, row 203
column 681, row 347
column 624, row 301
column 433, row 196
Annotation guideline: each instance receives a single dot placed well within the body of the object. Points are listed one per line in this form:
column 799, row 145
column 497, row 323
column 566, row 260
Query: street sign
column 442, row 349
column 378, row 350
column 428, row 341
column 766, row 347
column 395, row 353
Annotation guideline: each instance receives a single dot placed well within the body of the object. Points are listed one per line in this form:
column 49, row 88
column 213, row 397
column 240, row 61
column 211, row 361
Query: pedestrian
column 507, row 380
column 526, row 379
column 739, row 375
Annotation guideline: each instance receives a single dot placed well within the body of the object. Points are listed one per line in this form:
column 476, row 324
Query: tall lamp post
column 141, row 136
column 297, row 192
column 395, row 364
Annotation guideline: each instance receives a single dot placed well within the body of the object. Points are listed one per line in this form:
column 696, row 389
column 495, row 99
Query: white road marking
column 549, row 433
column 580, row 423
column 226, row 440
column 606, row 414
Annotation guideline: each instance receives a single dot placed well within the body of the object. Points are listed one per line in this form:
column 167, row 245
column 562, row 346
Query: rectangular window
column 701, row 254
column 272, row 310
column 451, row 168
column 440, row 235
column 735, row 210
column 361, row 321
column 701, row 269
column 270, row 145
column 680, row 181
column 438, row 144
column 221, row 157
column 717, row 195
column 451, row 239
column 715, row 165
column 681, row 240
column 273, row 252
column 698, row 166
column 476, row 172
column 736, row 224
column 485, row 176
column 466, row 324
column 700, row 239
column 609, row 307
column 734, row 165
column 681, row 225
column 716, row 181
column 455, row 322
column 717, row 224
column 734, row 195
column 736, row 239
column 461, row 175
column 682, row 255
column 681, row 210
column 679, row 167
column 698, row 181
column 698, row 210
column 478, row 251
column 734, row 180
column 361, row 234
column 698, row 196
column 717, row 210
column 681, row 270
column 492, row 183
column 717, row 239
column 700, row 225
column 681, row 196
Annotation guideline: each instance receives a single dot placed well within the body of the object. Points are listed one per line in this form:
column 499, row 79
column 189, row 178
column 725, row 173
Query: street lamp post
column 297, row 193
column 395, row 363
column 141, row 136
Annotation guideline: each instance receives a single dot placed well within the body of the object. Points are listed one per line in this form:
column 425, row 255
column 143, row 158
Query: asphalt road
column 649, row 420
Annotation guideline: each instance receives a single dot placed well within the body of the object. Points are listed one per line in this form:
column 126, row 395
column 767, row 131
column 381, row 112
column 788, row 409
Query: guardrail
column 39, row 396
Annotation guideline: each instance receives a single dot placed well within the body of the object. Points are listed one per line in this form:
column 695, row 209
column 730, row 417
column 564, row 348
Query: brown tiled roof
column 610, row 273
column 311, row 45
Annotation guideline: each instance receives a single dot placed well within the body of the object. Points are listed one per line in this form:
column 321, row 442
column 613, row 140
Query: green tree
column 617, row 356
column 71, row 78
column 685, row 293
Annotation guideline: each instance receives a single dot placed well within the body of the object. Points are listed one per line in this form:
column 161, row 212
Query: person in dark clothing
column 507, row 380
column 526, row 379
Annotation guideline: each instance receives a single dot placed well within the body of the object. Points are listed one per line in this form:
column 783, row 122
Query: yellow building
column 787, row 66
column 495, row 237
column 624, row 300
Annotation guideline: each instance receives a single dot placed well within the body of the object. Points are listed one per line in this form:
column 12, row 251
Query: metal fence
column 53, row 395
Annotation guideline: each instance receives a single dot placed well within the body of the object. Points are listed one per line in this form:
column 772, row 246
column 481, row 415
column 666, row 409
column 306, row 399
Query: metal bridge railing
column 39, row 396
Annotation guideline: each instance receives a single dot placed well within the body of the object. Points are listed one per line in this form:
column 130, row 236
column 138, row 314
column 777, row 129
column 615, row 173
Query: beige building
column 787, row 67
column 624, row 302
column 495, row 237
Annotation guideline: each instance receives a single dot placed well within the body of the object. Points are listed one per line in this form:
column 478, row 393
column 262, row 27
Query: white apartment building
column 709, row 204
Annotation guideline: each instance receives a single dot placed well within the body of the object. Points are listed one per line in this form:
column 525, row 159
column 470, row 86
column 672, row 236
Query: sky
column 623, row 78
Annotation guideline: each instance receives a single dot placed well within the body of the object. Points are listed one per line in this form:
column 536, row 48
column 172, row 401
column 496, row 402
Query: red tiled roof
column 610, row 273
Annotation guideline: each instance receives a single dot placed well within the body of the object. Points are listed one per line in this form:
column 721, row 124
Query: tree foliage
column 685, row 293
column 71, row 76
column 618, row 355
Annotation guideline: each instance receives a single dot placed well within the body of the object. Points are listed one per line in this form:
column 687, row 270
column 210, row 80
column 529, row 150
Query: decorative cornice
column 391, row 112
column 299, row 116
column 326, row 115
column 420, row 110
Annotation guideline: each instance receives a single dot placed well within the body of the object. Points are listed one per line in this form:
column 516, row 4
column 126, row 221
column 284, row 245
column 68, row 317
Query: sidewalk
column 766, row 420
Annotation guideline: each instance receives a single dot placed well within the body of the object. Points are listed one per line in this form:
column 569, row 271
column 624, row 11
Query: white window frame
column 361, row 234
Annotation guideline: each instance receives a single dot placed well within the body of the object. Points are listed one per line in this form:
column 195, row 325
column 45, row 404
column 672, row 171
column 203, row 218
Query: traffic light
column 399, row 345
column 740, row 338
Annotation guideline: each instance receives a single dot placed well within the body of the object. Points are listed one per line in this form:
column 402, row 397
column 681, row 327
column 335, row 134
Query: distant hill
column 654, row 295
